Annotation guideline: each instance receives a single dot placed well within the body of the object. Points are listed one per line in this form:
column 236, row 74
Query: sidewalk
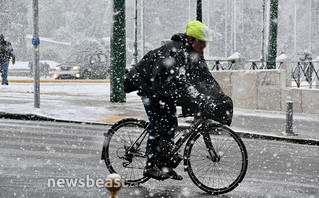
column 88, row 102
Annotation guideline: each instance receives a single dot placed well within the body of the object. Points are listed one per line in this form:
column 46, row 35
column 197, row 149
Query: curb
column 59, row 81
column 278, row 138
column 35, row 117
column 272, row 137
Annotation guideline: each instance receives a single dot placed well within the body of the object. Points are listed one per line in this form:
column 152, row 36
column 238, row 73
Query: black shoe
column 172, row 174
column 155, row 173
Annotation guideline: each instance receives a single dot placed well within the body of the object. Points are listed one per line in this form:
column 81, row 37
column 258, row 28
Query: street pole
column 118, row 56
column 263, row 35
column 135, row 54
column 36, row 43
column 235, row 26
column 289, row 119
column 142, row 28
column 273, row 30
column 226, row 29
column 199, row 11
column 206, row 52
column 295, row 32
column 310, row 32
column 189, row 10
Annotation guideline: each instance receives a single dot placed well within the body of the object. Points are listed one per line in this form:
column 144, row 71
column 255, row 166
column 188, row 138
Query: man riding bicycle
column 176, row 74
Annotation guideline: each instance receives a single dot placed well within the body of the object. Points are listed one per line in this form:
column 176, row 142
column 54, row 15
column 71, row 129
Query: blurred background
column 67, row 26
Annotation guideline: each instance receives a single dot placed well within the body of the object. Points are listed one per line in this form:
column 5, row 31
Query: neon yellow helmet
column 198, row 30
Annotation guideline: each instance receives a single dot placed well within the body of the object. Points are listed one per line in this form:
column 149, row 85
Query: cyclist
column 174, row 74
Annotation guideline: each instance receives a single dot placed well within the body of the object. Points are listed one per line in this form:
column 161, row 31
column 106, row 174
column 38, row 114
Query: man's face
column 198, row 45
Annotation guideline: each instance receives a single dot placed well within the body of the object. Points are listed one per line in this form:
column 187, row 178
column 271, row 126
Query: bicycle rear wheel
column 124, row 152
column 221, row 175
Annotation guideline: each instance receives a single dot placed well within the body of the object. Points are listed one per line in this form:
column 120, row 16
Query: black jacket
column 6, row 51
column 165, row 70
column 169, row 71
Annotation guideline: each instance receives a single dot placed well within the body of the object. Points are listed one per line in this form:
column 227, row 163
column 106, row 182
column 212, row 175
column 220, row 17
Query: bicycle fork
column 210, row 148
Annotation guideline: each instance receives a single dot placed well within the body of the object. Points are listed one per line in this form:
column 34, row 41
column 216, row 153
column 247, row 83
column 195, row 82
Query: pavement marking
column 115, row 118
column 59, row 81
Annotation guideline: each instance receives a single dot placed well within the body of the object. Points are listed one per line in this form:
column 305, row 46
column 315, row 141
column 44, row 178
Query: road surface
column 39, row 159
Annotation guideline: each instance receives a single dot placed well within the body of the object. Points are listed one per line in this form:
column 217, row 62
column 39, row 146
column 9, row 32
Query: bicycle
column 215, row 157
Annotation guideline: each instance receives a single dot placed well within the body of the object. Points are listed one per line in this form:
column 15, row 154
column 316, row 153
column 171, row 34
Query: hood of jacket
column 179, row 37
column 182, row 37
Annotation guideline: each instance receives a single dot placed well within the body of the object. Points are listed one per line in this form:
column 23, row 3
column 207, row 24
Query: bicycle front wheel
column 124, row 150
column 223, row 172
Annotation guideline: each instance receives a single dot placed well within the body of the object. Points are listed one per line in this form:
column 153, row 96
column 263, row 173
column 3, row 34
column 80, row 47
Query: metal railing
column 219, row 65
column 302, row 72
column 258, row 64
column 222, row 64
column 305, row 71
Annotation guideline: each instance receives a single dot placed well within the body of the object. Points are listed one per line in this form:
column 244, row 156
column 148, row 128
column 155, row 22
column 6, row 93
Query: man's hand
column 192, row 91
column 182, row 82
column 13, row 62
column 200, row 99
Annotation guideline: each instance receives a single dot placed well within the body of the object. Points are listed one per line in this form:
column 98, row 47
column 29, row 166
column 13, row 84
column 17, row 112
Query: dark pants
column 163, row 123
column 4, row 71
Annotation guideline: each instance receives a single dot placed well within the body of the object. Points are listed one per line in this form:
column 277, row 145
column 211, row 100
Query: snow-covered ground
column 85, row 102
column 90, row 102
column 25, row 65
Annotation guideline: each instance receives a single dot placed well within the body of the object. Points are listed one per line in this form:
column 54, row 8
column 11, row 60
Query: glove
column 192, row 91
column 200, row 100
column 181, row 81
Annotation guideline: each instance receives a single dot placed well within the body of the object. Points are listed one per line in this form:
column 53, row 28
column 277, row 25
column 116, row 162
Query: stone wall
column 305, row 100
column 266, row 90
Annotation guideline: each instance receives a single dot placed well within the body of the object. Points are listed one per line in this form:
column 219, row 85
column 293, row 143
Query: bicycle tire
column 121, row 136
column 216, row 177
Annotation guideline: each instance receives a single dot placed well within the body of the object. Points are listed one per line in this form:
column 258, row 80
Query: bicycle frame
column 192, row 129
column 187, row 133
